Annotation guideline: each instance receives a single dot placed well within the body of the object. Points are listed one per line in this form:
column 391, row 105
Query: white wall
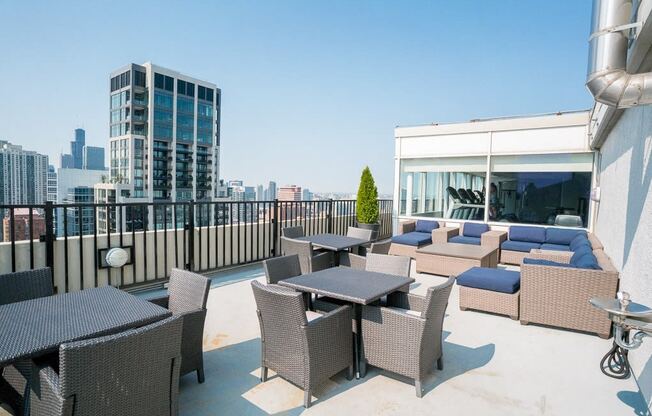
column 624, row 217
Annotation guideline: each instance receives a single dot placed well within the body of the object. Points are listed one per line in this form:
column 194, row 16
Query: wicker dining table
column 37, row 327
column 334, row 242
column 357, row 287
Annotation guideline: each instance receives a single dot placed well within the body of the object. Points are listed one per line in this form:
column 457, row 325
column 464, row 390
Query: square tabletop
column 38, row 326
column 333, row 242
column 347, row 284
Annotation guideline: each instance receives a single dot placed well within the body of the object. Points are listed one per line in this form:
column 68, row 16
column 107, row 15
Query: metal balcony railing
column 72, row 239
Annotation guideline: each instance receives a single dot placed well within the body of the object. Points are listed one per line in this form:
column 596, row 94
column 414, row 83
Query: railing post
column 49, row 238
column 191, row 235
column 329, row 216
column 275, row 230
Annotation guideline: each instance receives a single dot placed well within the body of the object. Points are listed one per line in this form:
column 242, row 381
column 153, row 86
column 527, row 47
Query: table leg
column 336, row 260
column 360, row 362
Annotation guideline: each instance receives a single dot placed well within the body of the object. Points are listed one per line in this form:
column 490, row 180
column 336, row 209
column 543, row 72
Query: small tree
column 367, row 205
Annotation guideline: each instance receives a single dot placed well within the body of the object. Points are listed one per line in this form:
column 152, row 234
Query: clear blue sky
column 311, row 89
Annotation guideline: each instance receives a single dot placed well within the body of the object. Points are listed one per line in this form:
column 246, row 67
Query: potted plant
column 367, row 205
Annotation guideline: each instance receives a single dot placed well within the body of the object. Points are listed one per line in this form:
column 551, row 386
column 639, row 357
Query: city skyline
column 312, row 98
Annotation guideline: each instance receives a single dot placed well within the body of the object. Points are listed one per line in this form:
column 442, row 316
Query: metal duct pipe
column 607, row 78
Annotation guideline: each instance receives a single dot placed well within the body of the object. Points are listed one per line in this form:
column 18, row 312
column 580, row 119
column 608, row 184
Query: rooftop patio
column 492, row 366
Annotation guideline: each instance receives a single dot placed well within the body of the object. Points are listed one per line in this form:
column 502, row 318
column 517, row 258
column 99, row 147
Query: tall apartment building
column 76, row 186
column 52, row 184
column 164, row 135
column 23, row 175
column 289, row 193
column 271, row 191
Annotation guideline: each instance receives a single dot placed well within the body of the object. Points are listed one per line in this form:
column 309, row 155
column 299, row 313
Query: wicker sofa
column 413, row 235
column 523, row 239
column 558, row 295
column 469, row 233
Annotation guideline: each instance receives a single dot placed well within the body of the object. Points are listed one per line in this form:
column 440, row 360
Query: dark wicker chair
column 187, row 295
column 304, row 352
column 18, row 287
column 405, row 337
column 380, row 247
column 279, row 268
column 292, row 232
column 359, row 233
column 310, row 260
column 135, row 372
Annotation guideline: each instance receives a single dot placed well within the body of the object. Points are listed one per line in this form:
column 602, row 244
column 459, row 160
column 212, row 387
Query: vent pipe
column 607, row 78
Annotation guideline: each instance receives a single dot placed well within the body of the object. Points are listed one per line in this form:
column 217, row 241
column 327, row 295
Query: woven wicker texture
column 381, row 247
column 19, row 286
column 442, row 234
column 304, row 353
column 557, row 256
column 489, row 301
column 310, row 262
column 39, row 326
column 279, row 268
column 402, row 343
column 512, row 257
column 334, row 242
column 453, row 259
column 360, row 233
column 135, row 372
column 354, row 261
column 292, row 232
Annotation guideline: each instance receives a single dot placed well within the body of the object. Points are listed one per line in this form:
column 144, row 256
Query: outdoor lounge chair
column 310, row 260
column 187, row 296
column 406, row 336
column 412, row 235
column 305, row 348
column 469, row 233
column 135, row 372
column 18, row 287
column 279, row 268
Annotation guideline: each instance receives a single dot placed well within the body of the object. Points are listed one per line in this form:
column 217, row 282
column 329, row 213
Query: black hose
column 615, row 363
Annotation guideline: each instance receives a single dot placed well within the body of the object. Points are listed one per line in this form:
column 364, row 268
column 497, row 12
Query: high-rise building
column 164, row 135
column 306, row 195
column 52, row 184
column 289, row 193
column 23, row 175
column 93, row 158
column 260, row 193
column 77, row 148
column 271, row 191
column 23, row 225
column 76, row 186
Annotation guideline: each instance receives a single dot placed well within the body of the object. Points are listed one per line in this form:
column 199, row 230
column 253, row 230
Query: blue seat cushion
column 423, row 226
column 495, row 280
column 562, row 236
column 529, row 234
column 579, row 241
column 523, row 246
column 543, row 262
column 471, row 229
column 462, row 239
column 581, row 251
column 585, row 260
column 555, row 247
column 413, row 239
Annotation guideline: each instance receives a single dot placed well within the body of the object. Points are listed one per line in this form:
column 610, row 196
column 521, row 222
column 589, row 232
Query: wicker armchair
column 380, row 247
column 187, row 295
column 310, row 261
column 17, row 287
column 304, row 352
column 359, row 233
column 279, row 268
column 405, row 337
column 292, row 232
column 135, row 372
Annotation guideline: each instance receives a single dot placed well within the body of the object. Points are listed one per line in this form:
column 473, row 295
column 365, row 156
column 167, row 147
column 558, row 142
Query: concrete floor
column 492, row 366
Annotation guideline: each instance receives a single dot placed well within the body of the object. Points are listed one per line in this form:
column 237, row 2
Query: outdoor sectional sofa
column 523, row 239
column 470, row 233
column 556, row 287
column 413, row 235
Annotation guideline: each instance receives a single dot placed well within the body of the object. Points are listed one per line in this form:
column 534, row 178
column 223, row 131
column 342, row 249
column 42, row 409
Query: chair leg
column 200, row 374
column 307, row 397
column 263, row 374
column 440, row 363
column 349, row 373
column 419, row 389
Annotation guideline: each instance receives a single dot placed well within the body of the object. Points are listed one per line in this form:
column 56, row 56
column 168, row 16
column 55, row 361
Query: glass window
column 444, row 187
column 185, row 105
column 169, row 83
column 204, row 124
column 139, row 78
column 205, row 110
column 184, row 134
column 185, row 121
column 163, row 116
column 162, row 100
column 159, row 81
column 204, row 136
column 536, row 189
column 162, row 131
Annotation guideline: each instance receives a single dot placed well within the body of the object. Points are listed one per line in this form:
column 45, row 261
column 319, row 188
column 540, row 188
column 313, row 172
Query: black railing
column 202, row 236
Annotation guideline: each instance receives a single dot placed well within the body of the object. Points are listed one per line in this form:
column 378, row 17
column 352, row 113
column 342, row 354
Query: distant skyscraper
column 271, row 191
column 260, row 193
column 306, row 195
column 77, row 148
column 23, row 175
column 66, row 161
column 52, row 184
column 75, row 186
column 93, row 158
column 289, row 193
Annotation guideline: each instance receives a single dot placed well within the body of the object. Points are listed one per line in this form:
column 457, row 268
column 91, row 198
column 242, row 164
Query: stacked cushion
column 495, row 280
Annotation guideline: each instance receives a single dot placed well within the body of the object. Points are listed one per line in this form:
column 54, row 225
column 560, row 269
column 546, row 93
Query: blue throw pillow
column 578, row 241
column 587, row 261
column 423, row 226
column 543, row 262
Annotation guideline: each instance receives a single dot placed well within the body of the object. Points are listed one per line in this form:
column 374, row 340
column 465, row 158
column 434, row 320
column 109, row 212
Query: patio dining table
column 334, row 242
column 38, row 326
column 357, row 287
